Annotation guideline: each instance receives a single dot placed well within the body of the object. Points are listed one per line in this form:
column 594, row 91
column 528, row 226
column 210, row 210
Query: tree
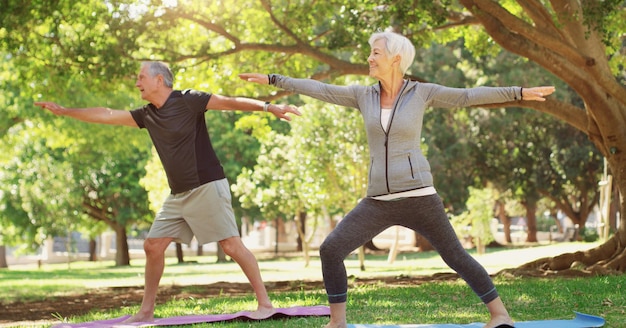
column 573, row 41
column 522, row 152
column 318, row 169
column 59, row 174
column 111, row 195
column 58, row 183
column 478, row 217
column 38, row 198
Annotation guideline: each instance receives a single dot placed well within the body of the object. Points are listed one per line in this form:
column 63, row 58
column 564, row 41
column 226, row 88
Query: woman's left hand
column 255, row 77
column 537, row 93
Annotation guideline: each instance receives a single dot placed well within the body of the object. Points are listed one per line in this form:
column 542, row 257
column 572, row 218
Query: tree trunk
column 122, row 258
column 301, row 223
column 614, row 209
column 393, row 250
column 305, row 251
column 506, row 223
column 608, row 258
column 531, row 220
column 179, row 253
column 200, row 250
column 3, row 257
column 92, row 250
column 303, row 243
column 221, row 256
column 422, row 243
column 505, row 220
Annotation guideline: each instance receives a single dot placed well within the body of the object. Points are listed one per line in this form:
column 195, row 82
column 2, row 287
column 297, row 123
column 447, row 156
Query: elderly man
column 200, row 201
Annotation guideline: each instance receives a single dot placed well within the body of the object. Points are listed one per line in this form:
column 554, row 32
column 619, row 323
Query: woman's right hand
column 255, row 77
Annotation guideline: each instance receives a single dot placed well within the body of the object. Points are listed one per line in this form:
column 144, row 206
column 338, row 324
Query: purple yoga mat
column 296, row 311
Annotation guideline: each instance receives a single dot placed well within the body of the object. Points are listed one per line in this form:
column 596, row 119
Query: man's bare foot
column 140, row 317
column 497, row 321
column 262, row 312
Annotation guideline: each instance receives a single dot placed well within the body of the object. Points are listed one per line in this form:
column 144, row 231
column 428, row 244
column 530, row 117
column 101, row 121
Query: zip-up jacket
column 397, row 163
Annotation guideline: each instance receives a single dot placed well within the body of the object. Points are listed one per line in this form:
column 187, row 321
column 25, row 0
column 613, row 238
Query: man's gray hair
column 156, row 68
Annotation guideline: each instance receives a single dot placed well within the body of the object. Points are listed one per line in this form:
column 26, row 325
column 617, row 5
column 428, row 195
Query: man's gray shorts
column 205, row 212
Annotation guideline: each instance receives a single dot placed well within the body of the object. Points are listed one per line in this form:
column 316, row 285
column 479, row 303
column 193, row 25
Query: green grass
column 434, row 302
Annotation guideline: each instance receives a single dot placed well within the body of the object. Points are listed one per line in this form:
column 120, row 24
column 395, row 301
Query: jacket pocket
column 408, row 157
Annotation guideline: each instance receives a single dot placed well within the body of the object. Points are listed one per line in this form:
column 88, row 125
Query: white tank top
column 385, row 114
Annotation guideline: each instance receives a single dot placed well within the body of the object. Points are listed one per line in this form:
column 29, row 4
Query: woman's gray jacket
column 396, row 160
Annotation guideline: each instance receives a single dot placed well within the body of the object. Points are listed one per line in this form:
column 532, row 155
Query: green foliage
column 605, row 17
column 52, row 41
column 478, row 216
column 38, row 198
column 544, row 223
column 321, row 165
column 155, row 182
column 590, row 235
column 58, row 171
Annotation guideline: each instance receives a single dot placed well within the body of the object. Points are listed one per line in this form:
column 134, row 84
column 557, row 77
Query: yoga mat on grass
column 580, row 321
column 296, row 311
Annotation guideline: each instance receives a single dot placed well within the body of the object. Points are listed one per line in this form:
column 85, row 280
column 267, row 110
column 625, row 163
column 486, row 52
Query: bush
column 590, row 235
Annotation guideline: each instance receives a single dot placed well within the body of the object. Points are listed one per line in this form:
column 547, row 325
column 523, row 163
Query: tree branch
column 500, row 22
column 569, row 113
column 542, row 18
column 96, row 213
column 209, row 26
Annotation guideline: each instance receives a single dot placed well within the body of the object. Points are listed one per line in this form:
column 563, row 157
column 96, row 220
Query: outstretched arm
column 330, row 93
column 92, row 115
column 218, row 102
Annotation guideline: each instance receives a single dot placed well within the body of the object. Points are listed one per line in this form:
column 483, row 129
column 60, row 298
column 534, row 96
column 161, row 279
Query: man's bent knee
column 232, row 244
column 156, row 245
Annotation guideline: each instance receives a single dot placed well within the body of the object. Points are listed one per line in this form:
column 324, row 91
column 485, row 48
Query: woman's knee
column 329, row 250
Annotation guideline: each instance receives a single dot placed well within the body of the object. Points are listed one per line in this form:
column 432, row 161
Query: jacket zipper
column 393, row 113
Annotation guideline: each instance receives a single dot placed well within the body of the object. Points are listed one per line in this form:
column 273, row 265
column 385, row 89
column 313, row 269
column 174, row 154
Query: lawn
column 432, row 302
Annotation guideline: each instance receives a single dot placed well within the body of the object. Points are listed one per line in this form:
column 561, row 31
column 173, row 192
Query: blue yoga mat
column 580, row 321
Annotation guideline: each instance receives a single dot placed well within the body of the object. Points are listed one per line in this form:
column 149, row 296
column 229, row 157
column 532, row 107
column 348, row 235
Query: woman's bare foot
column 501, row 320
column 262, row 312
column 498, row 313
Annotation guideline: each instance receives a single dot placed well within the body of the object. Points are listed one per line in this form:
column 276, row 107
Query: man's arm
column 218, row 102
column 92, row 115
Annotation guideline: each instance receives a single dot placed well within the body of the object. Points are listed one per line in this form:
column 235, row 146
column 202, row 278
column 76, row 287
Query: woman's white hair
column 396, row 44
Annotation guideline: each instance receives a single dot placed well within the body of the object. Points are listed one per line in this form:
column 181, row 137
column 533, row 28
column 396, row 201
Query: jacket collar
column 410, row 84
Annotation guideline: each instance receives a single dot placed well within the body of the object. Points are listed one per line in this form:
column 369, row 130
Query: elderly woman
column 400, row 189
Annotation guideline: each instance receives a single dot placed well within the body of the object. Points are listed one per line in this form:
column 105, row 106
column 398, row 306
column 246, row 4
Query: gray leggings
column 424, row 215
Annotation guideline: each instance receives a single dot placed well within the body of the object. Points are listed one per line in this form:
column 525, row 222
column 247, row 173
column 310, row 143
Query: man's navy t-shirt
column 179, row 133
